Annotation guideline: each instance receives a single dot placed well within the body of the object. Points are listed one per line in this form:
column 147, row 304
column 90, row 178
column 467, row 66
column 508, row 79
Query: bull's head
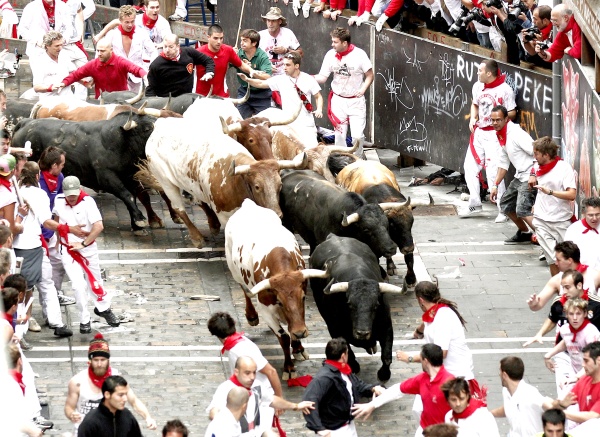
column 400, row 218
column 130, row 124
column 372, row 228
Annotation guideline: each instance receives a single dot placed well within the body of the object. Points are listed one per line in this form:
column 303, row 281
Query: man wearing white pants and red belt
column 490, row 90
column 352, row 76
column 80, row 255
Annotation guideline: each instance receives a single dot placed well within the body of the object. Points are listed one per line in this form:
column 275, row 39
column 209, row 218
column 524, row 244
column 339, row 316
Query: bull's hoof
column 372, row 350
column 408, row 287
column 141, row 223
column 177, row 220
column 157, row 223
column 301, row 356
column 285, row 375
column 252, row 321
column 198, row 244
column 384, row 374
column 140, row 232
column 215, row 231
column 393, row 272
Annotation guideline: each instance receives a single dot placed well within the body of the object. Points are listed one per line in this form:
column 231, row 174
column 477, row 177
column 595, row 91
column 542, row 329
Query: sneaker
column 34, row 326
column 62, row 331
column 519, row 238
column 65, row 300
column 109, row 316
column 501, row 218
column 542, row 256
column 42, row 423
column 176, row 17
column 43, row 401
column 24, row 345
column 464, row 196
column 468, row 212
column 85, row 328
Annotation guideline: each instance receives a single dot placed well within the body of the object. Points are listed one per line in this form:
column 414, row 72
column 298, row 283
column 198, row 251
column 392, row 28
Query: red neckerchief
column 584, row 296
column 163, row 54
column 303, row 97
column 231, row 341
column 277, row 425
column 50, row 12
column 587, row 227
column 496, row 82
column 342, row 367
column 149, row 22
column 45, row 245
column 17, row 376
column 51, row 181
column 124, row 33
column 8, row 318
column 5, row 183
column 429, row 315
column 581, row 268
column 82, row 195
column 474, row 404
column 575, row 331
column 546, row 168
column 340, row 55
column 501, row 134
column 238, row 383
column 546, row 32
column 98, row 380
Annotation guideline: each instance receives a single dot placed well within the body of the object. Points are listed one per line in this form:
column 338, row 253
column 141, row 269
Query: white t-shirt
column 479, row 424
column 348, row 73
column 551, row 208
column 454, row 7
column 518, row 151
column 588, row 243
column 247, row 348
column 158, row 32
column 39, row 212
column 223, row 425
column 259, row 401
column 290, row 98
column 486, row 99
column 52, row 72
column 284, row 38
column 7, row 196
column 84, row 213
column 448, row 333
column 587, row 335
column 88, row 398
column 524, row 410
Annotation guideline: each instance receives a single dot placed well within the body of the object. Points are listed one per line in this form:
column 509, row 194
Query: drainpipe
column 557, row 96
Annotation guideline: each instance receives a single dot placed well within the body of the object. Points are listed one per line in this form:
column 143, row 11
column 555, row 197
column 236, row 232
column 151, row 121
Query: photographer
column 539, row 33
column 481, row 29
column 506, row 22
column 568, row 38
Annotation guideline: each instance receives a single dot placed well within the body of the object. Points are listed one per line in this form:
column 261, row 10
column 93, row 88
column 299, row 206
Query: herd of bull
column 256, row 178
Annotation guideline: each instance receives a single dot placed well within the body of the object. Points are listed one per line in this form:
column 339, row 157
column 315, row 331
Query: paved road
column 173, row 363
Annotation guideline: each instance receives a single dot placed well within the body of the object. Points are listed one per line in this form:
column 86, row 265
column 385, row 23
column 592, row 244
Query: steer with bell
column 354, row 302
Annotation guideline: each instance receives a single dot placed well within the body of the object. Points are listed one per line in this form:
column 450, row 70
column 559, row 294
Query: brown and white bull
column 216, row 170
column 78, row 110
column 377, row 184
column 265, row 259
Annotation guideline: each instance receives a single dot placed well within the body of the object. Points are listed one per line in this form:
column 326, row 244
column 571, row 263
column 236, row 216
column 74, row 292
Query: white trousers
column 486, row 146
column 180, row 9
column 81, row 287
column 32, row 402
column 563, row 370
column 351, row 112
column 549, row 234
column 48, row 295
column 345, row 431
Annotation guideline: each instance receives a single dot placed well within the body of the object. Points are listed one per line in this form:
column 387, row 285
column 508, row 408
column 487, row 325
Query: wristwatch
column 410, row 359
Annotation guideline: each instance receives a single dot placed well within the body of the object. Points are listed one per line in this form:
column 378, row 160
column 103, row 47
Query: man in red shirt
column 223, row 55
column 568, row 38
column 108, row 70
column 426, row 384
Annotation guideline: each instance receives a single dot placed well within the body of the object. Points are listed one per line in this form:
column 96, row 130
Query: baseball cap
column 98, row 347
column 71, row 186
column 7, row 164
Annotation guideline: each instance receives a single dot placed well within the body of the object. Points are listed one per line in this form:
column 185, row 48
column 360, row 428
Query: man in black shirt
column 173, row 71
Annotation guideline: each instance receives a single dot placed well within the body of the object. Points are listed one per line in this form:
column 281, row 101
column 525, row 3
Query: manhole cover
column 435, row 210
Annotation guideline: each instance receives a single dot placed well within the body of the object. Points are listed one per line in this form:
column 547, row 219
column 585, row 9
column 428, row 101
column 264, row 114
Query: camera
column 494, row 4
column 516, row 9
column 273, row 54
column 531, row 34
column 543, row 45
column 466, row 17
column 455, row 28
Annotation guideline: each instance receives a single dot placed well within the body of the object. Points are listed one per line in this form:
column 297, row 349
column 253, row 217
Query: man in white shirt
column 296, row 88
column 557, row 188
column 55, row 65
column 135, row 46
column 516, row 148
column 277, row 40
column 585, row 233
column 352, row 76
column 227, row 421
column 522, row 403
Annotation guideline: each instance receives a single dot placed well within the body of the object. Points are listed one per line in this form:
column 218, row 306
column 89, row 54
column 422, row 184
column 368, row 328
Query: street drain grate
column 435, row 210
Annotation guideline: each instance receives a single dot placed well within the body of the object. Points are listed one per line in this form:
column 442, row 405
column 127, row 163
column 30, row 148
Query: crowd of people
column 49, row 224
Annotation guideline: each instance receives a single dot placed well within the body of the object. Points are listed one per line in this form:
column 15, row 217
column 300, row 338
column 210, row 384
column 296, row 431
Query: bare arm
column 581, row 416
column 8, row 213
column 547, row 326
column 498, row 412
column 141, row 409
column 256, row 83
column 320, row 78
column 282, row 404
column 512, row 114
column 367, row 83
column 271, row 374
column 474, row 116
column 537, row 301
column 71, row 402
column 110, row 26
column 319, row 102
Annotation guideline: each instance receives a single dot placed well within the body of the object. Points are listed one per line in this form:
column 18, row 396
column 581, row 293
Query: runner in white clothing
column 227, row 421
column 585, row 233
column 489, row 91
column 55, row 65
column 277, row 40
column 352, row 76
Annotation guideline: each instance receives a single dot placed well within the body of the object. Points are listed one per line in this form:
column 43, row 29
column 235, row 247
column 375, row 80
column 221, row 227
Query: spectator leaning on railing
column 539, row 33
column 568, row 38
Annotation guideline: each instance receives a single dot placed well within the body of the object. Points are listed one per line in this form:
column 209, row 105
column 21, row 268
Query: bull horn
column 265, row 284
column 168, row 104
column 314, row 273
column 148, row 111
column 290, row 119
column 424, row 203
column 139, row 96
column 300, row 161
column 101, row 101
column 340, row 287
column 210, row 92
column 340, row 149
column 130, row 123
column 224, row 126
column 243, row 99
column 349, row 219
column 384, row 287
column 394, row 205
column 240, row 169
column 234, row 127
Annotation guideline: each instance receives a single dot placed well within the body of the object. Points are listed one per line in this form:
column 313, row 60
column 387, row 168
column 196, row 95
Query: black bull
column 102, row 154
column 356, row 306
